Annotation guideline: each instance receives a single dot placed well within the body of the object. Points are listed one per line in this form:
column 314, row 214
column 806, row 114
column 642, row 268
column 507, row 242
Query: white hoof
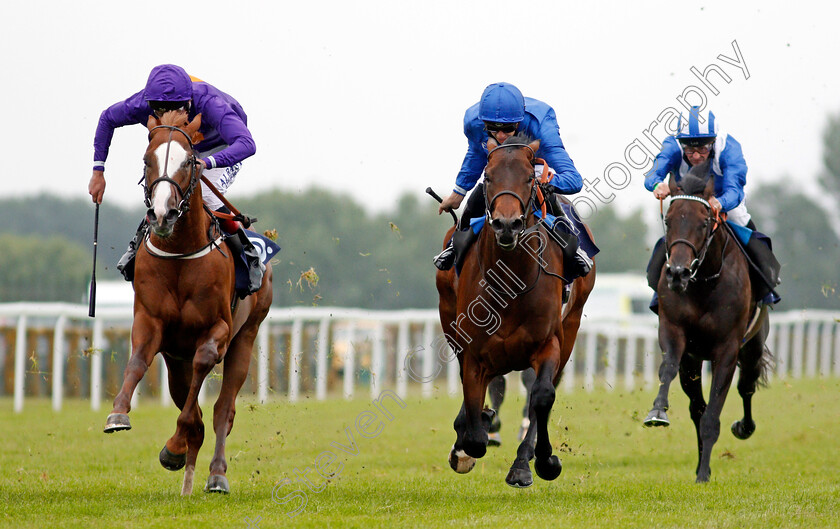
column 460, row 461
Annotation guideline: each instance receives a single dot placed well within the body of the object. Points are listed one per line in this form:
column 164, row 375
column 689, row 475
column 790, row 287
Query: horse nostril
column 517, row 225
column 669, row 273
column 497, row 225
column 150, row 215
column 685, row 274
column 171, row 215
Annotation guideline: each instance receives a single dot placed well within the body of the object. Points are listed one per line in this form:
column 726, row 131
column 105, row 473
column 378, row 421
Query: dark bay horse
column 183, row 303
column 505, row 312
column 706, row 312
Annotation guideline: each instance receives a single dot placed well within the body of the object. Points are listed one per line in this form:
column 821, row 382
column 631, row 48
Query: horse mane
column 175, row 118
column 694, row 183
column 518, row 139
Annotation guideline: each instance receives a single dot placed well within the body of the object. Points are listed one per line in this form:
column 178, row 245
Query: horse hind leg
column 235, row 373
column 496, row 392
column 691, row 381
column 753, row 365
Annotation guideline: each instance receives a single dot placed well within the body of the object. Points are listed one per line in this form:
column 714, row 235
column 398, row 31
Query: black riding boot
column 126, row 263
column 240, row 243
column 577, row 263
column 474, row 208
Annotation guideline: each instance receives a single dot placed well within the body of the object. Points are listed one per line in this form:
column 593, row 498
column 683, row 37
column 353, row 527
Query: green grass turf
column 60, row 470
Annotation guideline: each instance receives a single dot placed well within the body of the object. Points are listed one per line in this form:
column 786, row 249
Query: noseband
column 700, row 256
column 184, row 205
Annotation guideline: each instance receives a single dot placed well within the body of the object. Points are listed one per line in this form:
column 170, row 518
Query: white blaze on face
column 162, row 192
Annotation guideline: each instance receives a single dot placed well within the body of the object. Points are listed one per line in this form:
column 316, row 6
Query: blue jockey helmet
column 501, row 103
column 693, row 132
column 168, row 83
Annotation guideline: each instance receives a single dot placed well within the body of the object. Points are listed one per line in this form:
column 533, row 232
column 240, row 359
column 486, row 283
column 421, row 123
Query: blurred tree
column 804, row 244
column 621, row 240
column 42, row 269
column 830, row 177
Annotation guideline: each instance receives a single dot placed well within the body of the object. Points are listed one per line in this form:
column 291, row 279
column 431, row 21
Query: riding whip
column 435, row 196
column 92, row 293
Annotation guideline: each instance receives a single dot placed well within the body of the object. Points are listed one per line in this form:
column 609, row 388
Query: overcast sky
column 368, row 97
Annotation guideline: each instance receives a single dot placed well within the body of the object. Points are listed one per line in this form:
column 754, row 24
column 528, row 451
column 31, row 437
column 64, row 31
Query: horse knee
column 542, row 396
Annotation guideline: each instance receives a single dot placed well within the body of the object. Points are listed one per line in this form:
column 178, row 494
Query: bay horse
column 706, row 312
column 183, row 303
column 505, row 311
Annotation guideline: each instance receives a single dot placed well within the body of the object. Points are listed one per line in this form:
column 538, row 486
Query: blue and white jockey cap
column 692, row 131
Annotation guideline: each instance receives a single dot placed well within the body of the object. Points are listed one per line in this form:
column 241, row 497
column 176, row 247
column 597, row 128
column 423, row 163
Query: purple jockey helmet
column 169, row 83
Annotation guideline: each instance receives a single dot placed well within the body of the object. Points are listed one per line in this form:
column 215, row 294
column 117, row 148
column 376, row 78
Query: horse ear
column 192, row 129
column 535, row 146
column 709, row 191
column 672, row 184
column 153, row 122
column 491, row 144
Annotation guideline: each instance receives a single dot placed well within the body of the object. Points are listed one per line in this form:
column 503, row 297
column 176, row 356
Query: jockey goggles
column 507, row 128
column 162, row 107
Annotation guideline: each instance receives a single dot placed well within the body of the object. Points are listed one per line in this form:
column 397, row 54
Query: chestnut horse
column 505, row 312
column 183, row 303
column 706, row 312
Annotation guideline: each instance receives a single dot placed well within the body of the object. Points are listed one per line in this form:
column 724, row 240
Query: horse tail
column 766, row 364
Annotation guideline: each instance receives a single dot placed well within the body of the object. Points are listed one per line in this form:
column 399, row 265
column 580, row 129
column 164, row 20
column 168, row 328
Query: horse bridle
column 700, row 256
column 525, row 208
column 488, row 204
column 184, row 205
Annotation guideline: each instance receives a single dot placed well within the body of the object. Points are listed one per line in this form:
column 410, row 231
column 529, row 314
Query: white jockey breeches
column 739, row 215
column 221, row 178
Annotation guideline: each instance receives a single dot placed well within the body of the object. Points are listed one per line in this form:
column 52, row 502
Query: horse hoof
column 218, row 484
column 519, row 478
column 657, row 418
column 116, row 422
column 494, row 439
column 703, row 478
column 548, row 469
column 460, row 462
column 742, row 431
column 171, row 461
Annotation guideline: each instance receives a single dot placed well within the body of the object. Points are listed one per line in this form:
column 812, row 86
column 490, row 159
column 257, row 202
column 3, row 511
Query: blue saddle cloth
column 267, row 249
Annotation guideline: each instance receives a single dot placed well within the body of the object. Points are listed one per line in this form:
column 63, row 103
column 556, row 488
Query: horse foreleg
column 547, row 466
column 180, row 377
column 691, row 381
column 145, row 342
column 475, row 387
column 189, row 433
column 459, row 461
column 528, row 377
column 519, row 475
column 723, row 369
column 237, row 361
column 672, row 342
